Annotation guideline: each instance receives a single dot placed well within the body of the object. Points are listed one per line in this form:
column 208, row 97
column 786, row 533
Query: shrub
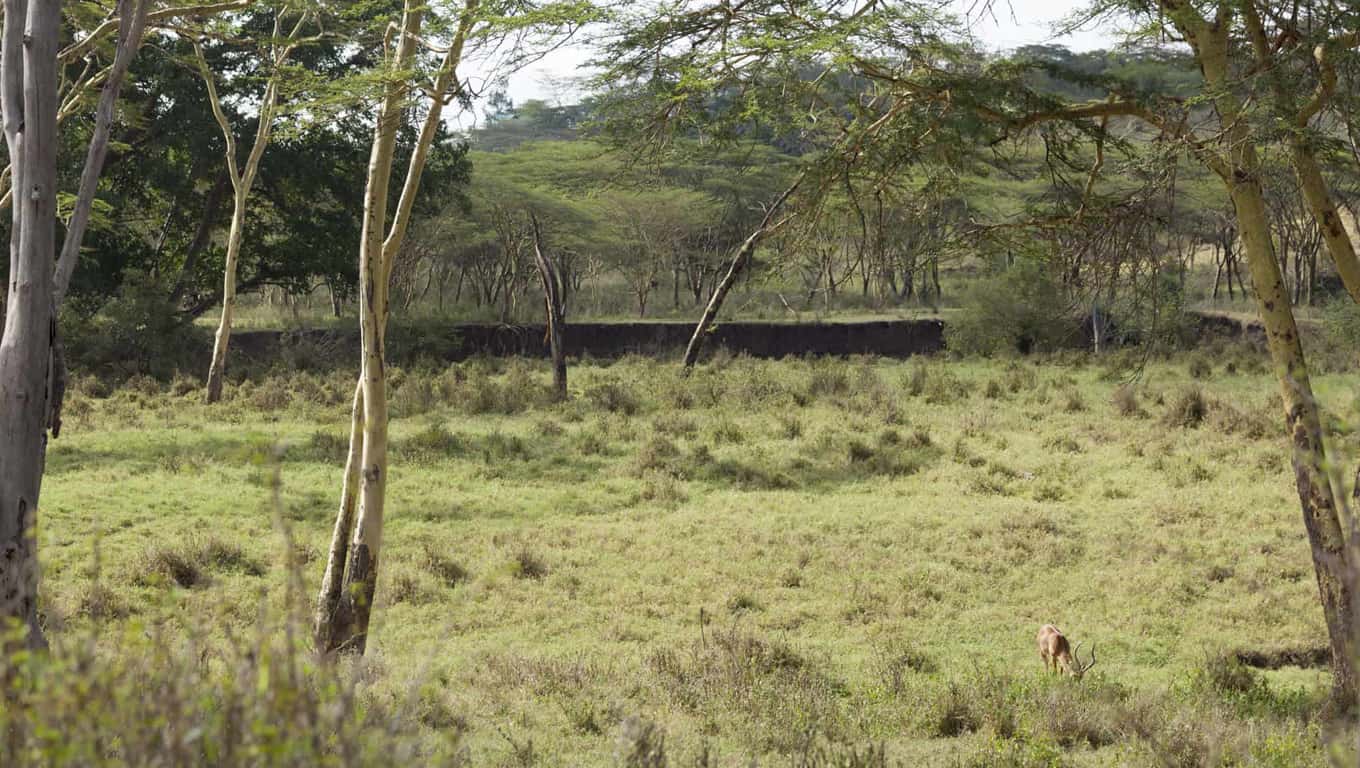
column 415, row 396
column 641, row 744
column 727, row 431
column 1020, row 376
column 663, row 488
column 186, row 564
column 1013, row 311
column 433, row 442
column 1074, row 402
column 917, row 379
column 613, row 396
column 944, row 387
column 326, row 446
column 894, row 665
column 741, row 602
column 1341, row 324
column 138, row 330
column 1253, row 424
column 675, row 425
column 658, row 452
column 763, row 687
column 405, row 587
column 1188, row 410
column 100, row 603
column 1200, row 368
column 829, row 377
column 173, row 695
column 271, row 395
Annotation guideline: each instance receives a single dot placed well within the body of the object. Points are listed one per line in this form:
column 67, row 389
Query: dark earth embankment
column 459, row 341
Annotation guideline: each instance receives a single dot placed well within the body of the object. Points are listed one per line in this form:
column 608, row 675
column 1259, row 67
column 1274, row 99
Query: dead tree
column 552, row 298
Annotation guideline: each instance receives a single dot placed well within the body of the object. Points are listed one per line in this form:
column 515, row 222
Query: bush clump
column 1188, row 410
column 1012, row 311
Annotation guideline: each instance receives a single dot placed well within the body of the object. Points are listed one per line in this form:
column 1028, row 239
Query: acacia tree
column 277, row 49
column 345, row 601
column 843, row 86
column 649, row 230
column 1214, row 32
column 685, row 56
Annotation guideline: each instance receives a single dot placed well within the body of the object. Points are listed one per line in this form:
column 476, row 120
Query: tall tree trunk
column 242, row 180
column 345, row 602
column 211, row 203
column 1240, row 171
column 329, row 617
column 342, row 622
column 768, row 225
column 217, row 370
column 131, row 25
column 28, row 97
column 1304, row 425
column 1218, row 276
column 552, row 298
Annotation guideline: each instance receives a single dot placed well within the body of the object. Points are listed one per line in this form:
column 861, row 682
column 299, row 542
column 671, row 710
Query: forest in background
column 635, row 238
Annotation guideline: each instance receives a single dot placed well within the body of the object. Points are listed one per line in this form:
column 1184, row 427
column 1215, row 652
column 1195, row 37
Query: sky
column 1012, row 24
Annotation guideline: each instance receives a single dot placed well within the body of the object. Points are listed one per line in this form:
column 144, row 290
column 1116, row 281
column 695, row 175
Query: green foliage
column 1341, row 324
column 139, row 330
column 189, row 698
column 1017, row 310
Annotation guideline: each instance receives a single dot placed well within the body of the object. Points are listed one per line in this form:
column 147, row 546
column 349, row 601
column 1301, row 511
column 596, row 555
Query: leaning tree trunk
column 1240, row 171
column 1304, row 423
column 329, row 616
column 552, row 298
column 768, row 225
column 28, row 97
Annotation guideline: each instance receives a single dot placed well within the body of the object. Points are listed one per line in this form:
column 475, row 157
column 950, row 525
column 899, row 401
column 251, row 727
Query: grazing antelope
column 1054, row 650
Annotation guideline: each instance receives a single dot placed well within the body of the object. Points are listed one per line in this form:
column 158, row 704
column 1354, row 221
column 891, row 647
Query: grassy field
column 795, row 562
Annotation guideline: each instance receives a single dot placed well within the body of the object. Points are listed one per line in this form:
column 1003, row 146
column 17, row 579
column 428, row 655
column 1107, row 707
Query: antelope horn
column 1093, row 659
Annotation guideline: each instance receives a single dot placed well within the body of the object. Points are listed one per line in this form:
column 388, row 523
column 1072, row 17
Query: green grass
column 767, row 559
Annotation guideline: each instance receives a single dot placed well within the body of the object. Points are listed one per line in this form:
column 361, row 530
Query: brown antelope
column 1054, row 650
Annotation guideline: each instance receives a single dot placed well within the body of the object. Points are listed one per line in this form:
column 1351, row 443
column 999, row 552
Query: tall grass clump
column 171, row 697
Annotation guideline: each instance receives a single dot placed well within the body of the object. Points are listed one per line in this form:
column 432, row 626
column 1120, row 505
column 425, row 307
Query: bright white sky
column 1017, row 23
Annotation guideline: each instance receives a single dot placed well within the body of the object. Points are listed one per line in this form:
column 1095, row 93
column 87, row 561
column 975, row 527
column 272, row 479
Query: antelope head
column 1074, row 665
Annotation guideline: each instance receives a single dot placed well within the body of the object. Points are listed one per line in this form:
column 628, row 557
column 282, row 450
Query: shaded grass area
column 831, row 562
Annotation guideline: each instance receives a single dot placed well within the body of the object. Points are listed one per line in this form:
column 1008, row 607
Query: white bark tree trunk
column 31, row 369
column 242, row 179
column 345, row 602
